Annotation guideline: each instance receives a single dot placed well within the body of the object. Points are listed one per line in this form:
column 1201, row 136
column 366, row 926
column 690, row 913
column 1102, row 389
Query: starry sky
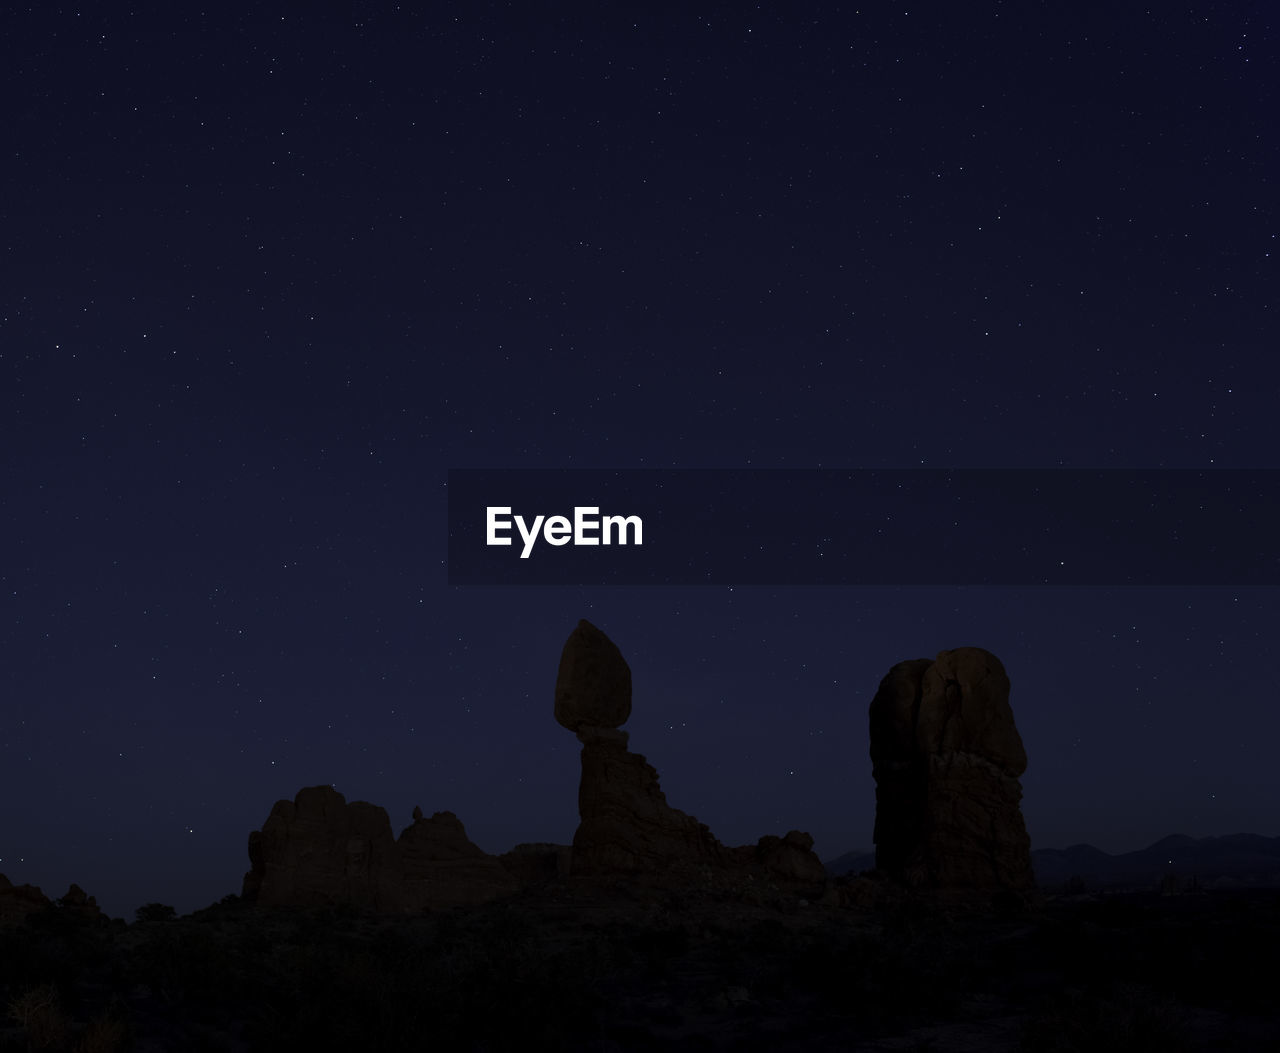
column 268, row 275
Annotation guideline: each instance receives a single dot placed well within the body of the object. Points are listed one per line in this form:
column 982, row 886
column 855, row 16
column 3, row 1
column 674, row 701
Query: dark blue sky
column 267, row 277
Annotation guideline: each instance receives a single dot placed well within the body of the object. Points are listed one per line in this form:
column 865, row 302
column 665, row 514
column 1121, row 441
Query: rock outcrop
column 18, row 901
column 791, row 858
column 538, row 862
column 77, row 901
column 946, row 757
column 442, row 867
column 319, row 850
column 627, row 826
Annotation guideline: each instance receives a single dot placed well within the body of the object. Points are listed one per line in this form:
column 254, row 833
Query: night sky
column 266, row 277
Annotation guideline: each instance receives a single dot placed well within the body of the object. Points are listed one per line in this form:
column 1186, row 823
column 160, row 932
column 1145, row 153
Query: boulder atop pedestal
column 626, row 825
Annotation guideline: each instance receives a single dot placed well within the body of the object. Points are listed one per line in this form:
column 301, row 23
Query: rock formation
column 318, row 849
column 946, row 758
column 77, row 901
column 442, row 867
column 626, row 825
column 538, row 862
column 17, row 901
column 791, row 858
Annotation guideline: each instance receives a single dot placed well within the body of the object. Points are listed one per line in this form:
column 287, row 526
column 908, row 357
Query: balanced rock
column 593, row 684
column 626, row 825
column 946, row 758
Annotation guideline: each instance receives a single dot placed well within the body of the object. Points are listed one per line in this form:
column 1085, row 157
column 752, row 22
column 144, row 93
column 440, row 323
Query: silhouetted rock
column 946, row 757
column 627, row 826
column 318, row 850
column 593, row 683
column 17, row 901
column 79, row 902
column 791, row 858
column 442, row 837
column 537, row 862
column 442, row 867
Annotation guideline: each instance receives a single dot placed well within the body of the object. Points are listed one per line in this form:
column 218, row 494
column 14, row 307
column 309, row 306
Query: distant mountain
column 850, row 863
column 1234, row 861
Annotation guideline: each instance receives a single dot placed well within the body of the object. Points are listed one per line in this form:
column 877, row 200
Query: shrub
column 105, row 1034
column 37, row 1012
column 155, row 912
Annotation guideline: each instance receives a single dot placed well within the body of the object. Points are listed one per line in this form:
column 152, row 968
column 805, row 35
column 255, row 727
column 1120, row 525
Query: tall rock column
column 946, row 757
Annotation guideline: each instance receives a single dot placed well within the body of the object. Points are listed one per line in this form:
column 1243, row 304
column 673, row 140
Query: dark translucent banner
column 864, row 527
